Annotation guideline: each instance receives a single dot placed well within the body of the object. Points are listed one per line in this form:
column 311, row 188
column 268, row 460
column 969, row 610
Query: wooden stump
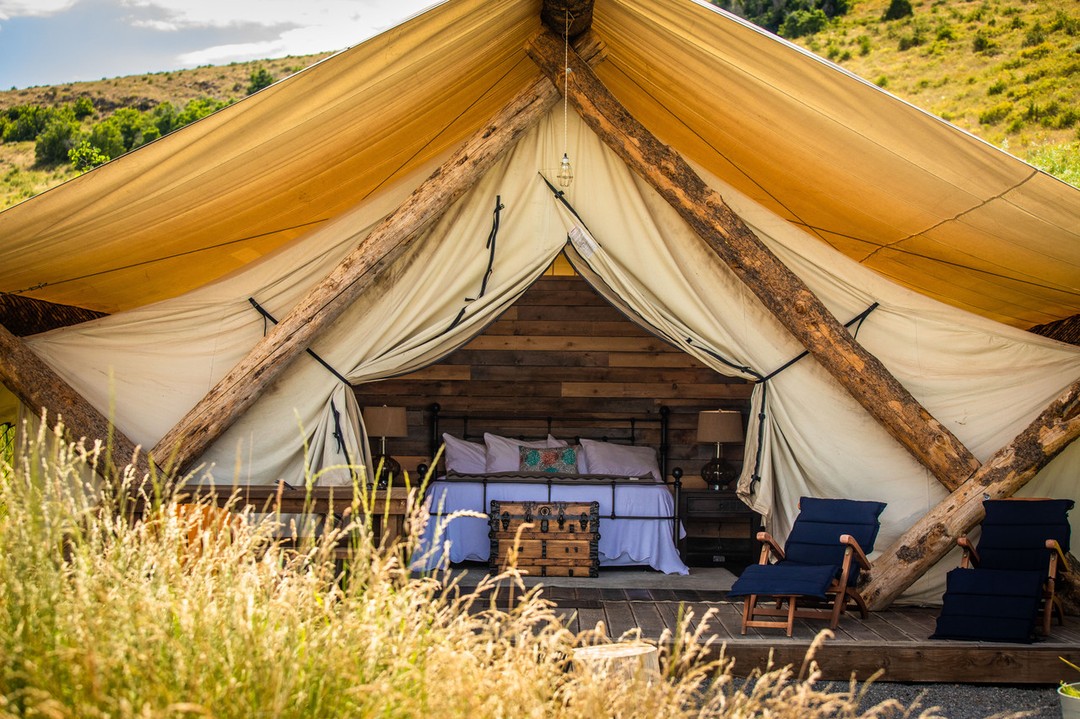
column 627, row 660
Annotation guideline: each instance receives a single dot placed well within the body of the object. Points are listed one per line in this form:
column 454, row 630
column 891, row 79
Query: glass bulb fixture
column 566, row 172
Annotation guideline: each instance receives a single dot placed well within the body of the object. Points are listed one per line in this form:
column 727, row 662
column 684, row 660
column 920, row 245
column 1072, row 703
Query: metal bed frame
column 626, row 427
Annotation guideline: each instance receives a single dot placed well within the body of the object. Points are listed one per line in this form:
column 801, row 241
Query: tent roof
column 900, row 191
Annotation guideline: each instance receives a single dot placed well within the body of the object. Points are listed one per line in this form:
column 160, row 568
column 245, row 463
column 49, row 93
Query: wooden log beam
column 778, row 288
column 38, row 386
column 1002, row 475
column 555, row 14
column 239, row 389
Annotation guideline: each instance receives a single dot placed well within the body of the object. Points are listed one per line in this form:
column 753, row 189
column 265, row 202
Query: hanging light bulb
column 566, row 172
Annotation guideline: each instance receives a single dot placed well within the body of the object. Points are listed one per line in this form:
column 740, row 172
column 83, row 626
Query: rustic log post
column 239, row 389
column 778, row 288
column 1002, row 475
column 38, row 386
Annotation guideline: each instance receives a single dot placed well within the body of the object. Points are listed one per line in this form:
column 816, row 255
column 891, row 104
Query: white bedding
column 622, row 542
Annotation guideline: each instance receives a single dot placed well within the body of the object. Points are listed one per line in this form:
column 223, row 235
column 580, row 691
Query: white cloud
column 322, row 26
column 29, row 8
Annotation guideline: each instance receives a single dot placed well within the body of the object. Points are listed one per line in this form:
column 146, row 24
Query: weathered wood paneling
column 563, row 350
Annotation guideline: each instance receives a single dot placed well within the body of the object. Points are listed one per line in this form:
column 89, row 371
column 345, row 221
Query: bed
column 514, row 458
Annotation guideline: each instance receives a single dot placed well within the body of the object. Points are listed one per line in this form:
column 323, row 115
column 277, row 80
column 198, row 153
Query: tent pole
column 1011, row 467
column 778, row 288
column 239, row 389
column 38, row 386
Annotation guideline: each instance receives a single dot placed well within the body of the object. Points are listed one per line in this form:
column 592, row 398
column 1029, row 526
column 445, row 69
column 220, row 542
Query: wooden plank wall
column 563, row 350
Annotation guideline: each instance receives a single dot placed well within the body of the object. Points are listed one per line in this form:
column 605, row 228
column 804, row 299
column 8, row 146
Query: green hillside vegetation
column 1007, row 71
column 42, row 126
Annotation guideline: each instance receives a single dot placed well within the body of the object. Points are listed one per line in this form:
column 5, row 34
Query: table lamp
column 719, row 427
column 385, row 422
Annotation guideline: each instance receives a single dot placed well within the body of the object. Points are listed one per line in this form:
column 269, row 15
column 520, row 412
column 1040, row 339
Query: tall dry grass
column 175, row 616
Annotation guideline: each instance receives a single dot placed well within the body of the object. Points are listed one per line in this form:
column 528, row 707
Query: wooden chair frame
column 840, row 591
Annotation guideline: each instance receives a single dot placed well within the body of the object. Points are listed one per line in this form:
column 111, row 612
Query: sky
column 51, row 42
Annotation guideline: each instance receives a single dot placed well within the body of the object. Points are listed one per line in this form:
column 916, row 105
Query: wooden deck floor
column 896, row 640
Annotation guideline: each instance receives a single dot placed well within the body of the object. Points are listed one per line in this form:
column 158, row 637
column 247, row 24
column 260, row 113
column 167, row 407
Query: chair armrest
column 971, row 557
column 774, row 548
column 1055, row 548
column 860, row 556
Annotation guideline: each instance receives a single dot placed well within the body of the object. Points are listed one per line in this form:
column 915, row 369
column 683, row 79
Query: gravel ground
column 971, row 701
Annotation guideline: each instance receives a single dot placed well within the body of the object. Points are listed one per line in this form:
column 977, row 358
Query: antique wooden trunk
column 557, row 539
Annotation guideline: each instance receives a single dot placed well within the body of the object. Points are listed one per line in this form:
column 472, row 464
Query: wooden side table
column 720, row 529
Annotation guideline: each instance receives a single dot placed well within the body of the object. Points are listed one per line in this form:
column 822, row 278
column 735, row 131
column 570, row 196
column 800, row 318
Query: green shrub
column 983, row 43
column 865, row 45
column 107, row 138
column 83, row 108
column 56, row 140
column 26, row 122
column 260, row 78
column 945, row 32
column 898, row 9
column 803, row 22
column 995, row 114
column 1063, row 22
column 997, row 88
column 85, row 156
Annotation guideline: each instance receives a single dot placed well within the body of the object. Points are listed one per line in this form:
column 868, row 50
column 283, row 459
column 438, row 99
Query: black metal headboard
column 525, row 426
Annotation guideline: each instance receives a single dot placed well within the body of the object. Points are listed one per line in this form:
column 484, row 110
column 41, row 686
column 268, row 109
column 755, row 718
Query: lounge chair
column 996, row 592
column 822, row 558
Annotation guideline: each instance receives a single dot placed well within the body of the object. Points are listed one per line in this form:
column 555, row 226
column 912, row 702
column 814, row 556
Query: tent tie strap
column 267, row 316
column 857, row 319
column 499, row 206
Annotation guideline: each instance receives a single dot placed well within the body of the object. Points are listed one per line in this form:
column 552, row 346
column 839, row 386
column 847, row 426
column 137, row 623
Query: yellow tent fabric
column 892, row 187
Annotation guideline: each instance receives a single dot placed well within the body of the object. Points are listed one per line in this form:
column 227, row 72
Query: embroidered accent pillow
column 550, row 460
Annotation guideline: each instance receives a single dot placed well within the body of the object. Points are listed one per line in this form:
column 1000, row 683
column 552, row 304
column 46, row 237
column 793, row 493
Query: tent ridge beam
column 778, row 288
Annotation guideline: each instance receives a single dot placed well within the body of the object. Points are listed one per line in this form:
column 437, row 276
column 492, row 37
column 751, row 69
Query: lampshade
column 385, row 421
column 719, row 426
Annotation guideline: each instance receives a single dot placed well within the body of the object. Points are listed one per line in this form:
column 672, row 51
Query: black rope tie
column 267, row 316
column 490, row 265
column 338, row 434
column 856, row 319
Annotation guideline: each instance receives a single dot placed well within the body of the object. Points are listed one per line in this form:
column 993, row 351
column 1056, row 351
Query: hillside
column 22, row 179
column 1007, row 71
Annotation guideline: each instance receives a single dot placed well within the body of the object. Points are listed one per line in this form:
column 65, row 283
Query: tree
column 26, row 122
column 106, row 137
column 803, row 22
column 898, row 9
column 83, row 107
column 260, row 78
column 56, row 140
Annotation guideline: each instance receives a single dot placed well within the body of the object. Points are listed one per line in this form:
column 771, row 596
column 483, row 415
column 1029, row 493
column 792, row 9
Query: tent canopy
column 902, row 192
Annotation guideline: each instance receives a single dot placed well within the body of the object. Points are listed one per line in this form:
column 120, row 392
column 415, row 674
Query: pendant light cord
column 566, row 77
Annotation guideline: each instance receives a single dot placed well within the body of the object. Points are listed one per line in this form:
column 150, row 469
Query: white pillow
column 619, row 459
column 464, row 457
column 503, row 453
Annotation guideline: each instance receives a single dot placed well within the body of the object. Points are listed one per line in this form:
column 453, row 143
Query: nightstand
column 720, row 529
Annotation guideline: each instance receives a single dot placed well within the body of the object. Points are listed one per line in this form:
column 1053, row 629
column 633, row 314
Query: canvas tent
column 867, row 199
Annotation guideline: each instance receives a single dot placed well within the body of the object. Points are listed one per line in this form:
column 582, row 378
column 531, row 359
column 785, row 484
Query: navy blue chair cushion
column 815, row 536
column 784, row 578
column 990, row 605
column 1014, row 532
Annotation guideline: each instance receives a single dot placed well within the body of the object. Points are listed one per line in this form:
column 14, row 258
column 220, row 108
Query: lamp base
column 718, row 474
column 385, row 467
